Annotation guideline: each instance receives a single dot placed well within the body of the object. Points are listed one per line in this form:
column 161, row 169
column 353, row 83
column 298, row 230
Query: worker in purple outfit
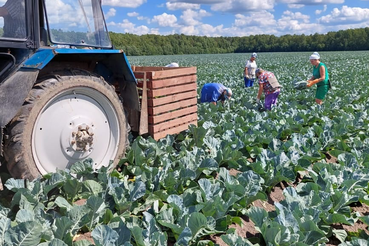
column 214, row 92
column 268, row 84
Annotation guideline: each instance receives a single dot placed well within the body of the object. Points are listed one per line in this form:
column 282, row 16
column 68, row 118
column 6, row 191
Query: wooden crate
column 171, row 98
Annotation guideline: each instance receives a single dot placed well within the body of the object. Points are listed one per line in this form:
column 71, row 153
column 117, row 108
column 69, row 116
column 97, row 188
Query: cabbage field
column 201, row 187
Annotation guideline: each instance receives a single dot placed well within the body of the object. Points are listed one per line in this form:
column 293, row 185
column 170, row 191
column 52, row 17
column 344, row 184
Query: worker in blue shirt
column 214, row 92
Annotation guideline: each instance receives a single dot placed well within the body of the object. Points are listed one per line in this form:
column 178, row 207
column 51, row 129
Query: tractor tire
column 67, row 117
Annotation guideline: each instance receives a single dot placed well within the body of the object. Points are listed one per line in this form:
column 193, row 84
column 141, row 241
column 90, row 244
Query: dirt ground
column 247, row 230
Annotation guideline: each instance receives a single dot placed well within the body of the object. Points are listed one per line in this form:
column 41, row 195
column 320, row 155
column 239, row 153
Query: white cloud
column 192, row 18
column 346, row 15
column 64, row 13
column 209, row 30
column 295, row 6
column 311, row 2
column 202, row 30
column 319, row 11
column 139, row 17
column 188, row 30
column 288, row 15
column 240, row 6
column 197, row 1
column 143, row 18
column 124, row 3
column 128, row 27
column 260, row 19
column 133, row 14
column 165, row 20
column 176, row 6
column 111, row 13
column 296, row 23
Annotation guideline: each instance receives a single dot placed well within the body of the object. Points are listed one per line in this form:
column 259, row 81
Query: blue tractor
column 65, row 93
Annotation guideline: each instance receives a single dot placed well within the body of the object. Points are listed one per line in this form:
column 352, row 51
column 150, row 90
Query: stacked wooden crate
column 171, row 98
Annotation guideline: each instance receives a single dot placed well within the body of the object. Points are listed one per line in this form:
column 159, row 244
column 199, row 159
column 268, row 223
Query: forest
column 178, row 44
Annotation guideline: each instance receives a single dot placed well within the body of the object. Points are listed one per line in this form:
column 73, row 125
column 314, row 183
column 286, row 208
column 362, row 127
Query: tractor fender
column 115, row 60
column 111, row 63
column 13, row 92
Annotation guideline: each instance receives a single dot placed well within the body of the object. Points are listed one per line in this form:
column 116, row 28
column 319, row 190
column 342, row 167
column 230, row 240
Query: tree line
column 177, row 44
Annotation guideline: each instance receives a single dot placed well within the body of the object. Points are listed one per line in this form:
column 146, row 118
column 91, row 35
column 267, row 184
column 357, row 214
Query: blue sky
column 234, row 17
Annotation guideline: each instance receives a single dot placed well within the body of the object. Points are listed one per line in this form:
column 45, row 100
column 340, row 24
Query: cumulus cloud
column 165, row 20
column 133, row 14
column 111, row 13
column 203, row 30
column 295, row 6
column 139, row 17
column 143, row 18
column 288, row 15
column 62, row 14
column 346, row 15
column 197, row 1
column 296, row 23
column 192, row 18
column 260, row 19
column 176, row 6
column 124, row 3
column 128, row 27
column 241, row 6
column 319, row 11
column 311, row 2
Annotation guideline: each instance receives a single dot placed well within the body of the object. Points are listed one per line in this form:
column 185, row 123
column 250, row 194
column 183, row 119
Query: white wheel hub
column 74, row 125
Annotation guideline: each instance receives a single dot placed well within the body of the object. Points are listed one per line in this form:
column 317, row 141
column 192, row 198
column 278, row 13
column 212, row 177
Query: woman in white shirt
column 249, row 73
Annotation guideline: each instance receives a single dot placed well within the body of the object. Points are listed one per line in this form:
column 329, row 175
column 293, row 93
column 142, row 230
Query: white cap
column 173, row 64
column 254, row 55
column 229, row 91
column 315, row 56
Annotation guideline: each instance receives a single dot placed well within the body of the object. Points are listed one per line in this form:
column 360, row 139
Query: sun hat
column 315, row 56
column 173, row 64
column 254, row 55
column 258, row 70
column 229, row 93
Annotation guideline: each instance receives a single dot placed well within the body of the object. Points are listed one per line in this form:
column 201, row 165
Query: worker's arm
column 261, row 86
column 312, row 82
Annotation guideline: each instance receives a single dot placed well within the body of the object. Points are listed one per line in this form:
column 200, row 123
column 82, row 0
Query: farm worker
column 214, row 92
column 13, row 12
column 249, row 72
column 269, row 85
column 320, row 78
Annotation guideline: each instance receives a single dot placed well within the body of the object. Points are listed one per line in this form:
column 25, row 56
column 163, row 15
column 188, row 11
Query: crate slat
column 172, row 106
column 163, row 72
column 171, row 98
column 172, row 123
column 155, row 84
column 172, row 90
column 156, row 119
column 173, row 130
